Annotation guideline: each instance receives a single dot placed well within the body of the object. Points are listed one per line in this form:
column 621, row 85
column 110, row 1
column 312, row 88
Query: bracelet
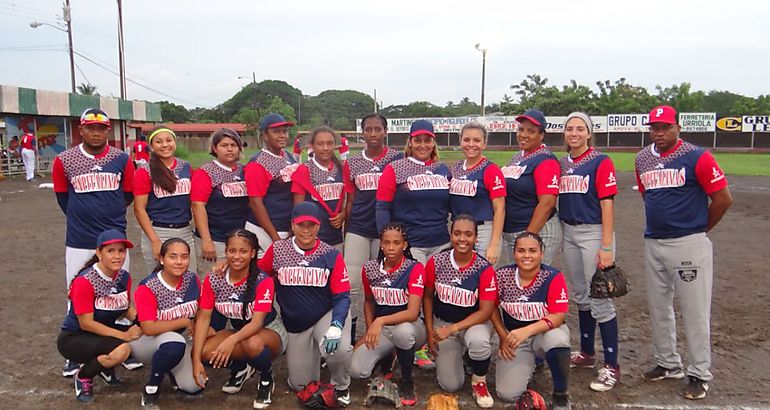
column 607, row 249
column 548, row 322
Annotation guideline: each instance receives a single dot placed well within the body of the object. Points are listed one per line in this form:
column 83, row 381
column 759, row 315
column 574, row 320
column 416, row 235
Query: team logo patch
column 182, row 188
column 288, row 171
column 463, row 187
column 688, row 275
column 574, row 184
column 368, row 181
column 234, row 189
column 513, row 171
column 663, row 178
column 427, row 181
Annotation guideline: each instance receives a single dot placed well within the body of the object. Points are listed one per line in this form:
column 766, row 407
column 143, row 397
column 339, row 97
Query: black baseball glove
column 610, row 282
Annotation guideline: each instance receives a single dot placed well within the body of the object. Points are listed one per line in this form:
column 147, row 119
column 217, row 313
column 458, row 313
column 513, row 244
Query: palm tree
column 87, row 89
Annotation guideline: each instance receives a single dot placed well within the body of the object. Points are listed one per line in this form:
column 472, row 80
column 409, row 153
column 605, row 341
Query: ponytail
column 160, row 175
column 249, row 295
column 91, row 262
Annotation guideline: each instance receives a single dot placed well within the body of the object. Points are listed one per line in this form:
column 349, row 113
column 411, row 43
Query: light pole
column 483, row 74
column 68, row 19
column 256, row 91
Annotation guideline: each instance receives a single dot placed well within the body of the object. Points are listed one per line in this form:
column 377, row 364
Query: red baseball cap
column 665, row 114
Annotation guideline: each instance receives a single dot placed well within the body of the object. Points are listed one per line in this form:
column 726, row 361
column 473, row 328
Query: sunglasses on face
column 95, row 117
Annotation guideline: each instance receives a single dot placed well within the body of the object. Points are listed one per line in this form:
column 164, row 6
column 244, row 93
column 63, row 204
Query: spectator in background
column 13, row 147
column 28, row 154
column 344, row 148
column 140, row 152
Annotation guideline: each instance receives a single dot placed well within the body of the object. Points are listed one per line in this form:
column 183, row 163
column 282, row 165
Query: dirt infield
column 32, row 305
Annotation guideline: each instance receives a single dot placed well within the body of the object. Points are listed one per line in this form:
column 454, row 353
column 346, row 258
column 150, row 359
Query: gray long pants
column 358, row 250
column 264, row 239
column 512, row 376
column 303, row 355
column 581, row 248
column 552, row 239
column 403, row 336
column 449, row 360
column 145, row 347
column 484, row 237
column 165, row 234
column 423, row 254
column 682, row 267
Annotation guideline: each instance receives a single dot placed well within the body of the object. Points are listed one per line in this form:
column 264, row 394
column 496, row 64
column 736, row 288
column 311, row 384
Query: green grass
column 731, row 163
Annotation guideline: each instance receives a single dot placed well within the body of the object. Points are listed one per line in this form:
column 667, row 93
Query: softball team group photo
column 381, row 263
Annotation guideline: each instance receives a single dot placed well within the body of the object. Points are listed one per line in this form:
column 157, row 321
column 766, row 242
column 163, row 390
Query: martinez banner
column 697, row 121
column 627, row 123
column 756, row 123
column 492, row 124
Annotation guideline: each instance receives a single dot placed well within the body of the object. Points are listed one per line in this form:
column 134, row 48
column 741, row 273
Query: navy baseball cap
column 421, row 127
column 112, row 236
column 306, row 211
column 534, row 116
column 273, row 120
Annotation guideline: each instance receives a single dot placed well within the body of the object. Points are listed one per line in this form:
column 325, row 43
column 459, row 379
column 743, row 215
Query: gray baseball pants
column 449, row 360
column 552, row 239
column 145, row 347
column 581, row 249
column 403, row 336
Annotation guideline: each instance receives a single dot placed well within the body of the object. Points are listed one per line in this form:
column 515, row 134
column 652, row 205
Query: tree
column 621, row 97
column 171, row 112
column 87, row 89
column 277, row 105
column 680, row 97
column 725, row 102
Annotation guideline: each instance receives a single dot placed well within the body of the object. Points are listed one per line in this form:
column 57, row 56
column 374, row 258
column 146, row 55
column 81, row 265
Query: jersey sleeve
column 494, row 181
column 128, row 177
column 417, row 280
column 488, row 284
column 547, row 177
column 300, row 179
column 349, row 185
column 430, row 273
column 257, row 179
column 200, row 186
column 263, row 298
column 142, row 182
column 266, row 262
column 710, row 176
column 82, row 296
column 365, row 283
column 146, row 304
column 207, row 295
column 558, row 296
column 340, row 282
column 606, row 179
column 639, row 184
column 386, row 190
column 59, row 177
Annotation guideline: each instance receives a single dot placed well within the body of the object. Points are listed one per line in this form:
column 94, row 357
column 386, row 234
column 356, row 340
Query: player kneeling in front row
column 256, row 337
column 460, row 294
column 393, row 285
column 166, row 302
column 534, row 302
column 98, row 296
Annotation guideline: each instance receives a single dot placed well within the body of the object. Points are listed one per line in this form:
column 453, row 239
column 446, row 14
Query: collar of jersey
column 227, row 278
column 267, row 151
column 103, row 276
column 321, row 167
column 417, row 161
column 454, row 264
column 302, row 251
column 517, row 277
column 477, row 164
column 169, row 287
column 524, row 154
column 678, row 144
column 384, row 151
column 225, row 167
column 395, row 268
column 83, row 150
column 581, row 156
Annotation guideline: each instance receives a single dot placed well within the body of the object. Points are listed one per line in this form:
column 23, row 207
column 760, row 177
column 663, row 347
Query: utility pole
column 483, row 74
column 375, row 100
column 66, row 14
column 121, row 51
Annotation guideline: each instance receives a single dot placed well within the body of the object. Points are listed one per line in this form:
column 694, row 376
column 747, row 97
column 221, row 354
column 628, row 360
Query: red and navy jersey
column 344, row 145
column 584, row 182
column 472, row 190
column 28, row 142
column 524, row 305
column 141, row 151
column 328, row 184
column 163, row 206
column 526, row 177
column 268, row 176
column 458, row 290
column 391, row 289
column 226, row 298
column 676, row 185
column 224, row 192
column 95, row 187
column 306, row 282
column 156, row 300
column 94, row 292
column 364, row 178
column 419, row 196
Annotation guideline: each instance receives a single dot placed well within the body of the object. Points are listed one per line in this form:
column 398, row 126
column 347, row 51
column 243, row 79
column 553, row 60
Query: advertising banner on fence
column 697, row 121
column 755, row 123
column 627, row 123
column 730, row 124
column 492, row 124
column 556, row 124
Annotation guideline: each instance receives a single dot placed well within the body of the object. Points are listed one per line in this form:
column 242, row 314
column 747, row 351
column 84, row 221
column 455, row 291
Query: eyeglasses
column 95, row 117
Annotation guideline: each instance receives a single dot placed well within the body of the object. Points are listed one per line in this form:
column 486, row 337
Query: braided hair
column 400, row 228
column 251, row 280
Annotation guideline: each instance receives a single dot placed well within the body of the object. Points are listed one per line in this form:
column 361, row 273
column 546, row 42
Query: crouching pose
column 393, row 287
column 244, row 295
column 460, row 296
column 533, row 300
column 98, row 296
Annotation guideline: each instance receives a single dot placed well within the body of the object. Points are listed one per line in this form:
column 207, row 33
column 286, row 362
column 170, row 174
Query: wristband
column 548, row 322
column 607, row 249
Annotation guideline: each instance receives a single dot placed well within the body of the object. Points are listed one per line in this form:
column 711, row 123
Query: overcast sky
column 194, row 51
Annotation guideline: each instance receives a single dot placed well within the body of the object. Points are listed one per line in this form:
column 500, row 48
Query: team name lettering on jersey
column 463, row 187
column 663, row 178
column 513, row 171
column 184, row 310
column 287, row 172
column 234, row 310
column 456, row 296
column 330, row 192
column 116, row 301
column 574, row 184
column 525, row 311
column 234, row 189
column 96, row 182
column 303, row 276
column 426, row 182
column 182, row 188
column 368, row 181
column 390, row 296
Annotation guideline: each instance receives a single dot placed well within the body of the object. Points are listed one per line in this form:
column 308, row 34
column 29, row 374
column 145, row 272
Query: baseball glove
column 610, row 282
column 530, row 400
column 382, row 390
column 318, row 395
column 442, row 401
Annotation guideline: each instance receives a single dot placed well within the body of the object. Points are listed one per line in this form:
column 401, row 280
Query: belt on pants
column 170, row 226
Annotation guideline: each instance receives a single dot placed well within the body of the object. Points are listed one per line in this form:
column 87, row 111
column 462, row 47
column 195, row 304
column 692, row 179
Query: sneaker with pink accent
column 422, row 360
column 607, row 378
column 582, row 360
column 482, row 396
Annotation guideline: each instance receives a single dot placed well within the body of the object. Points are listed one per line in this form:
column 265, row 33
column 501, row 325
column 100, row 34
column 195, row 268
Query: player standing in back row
column 676, row 180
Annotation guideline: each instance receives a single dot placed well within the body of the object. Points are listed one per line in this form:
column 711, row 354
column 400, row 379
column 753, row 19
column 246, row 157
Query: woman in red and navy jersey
column 533, row 299
column 162, row 197
column 532, row 183
column 313, row 291
column 478, row 189
column 219, row 197
column 460, row 294
column 268, row 181
column 361, row 236
column 586, row 208
column 415, row 190
column 99, row 295
column 393, row 285
column 244, row 296
column 320, row 180
column 166, row 302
